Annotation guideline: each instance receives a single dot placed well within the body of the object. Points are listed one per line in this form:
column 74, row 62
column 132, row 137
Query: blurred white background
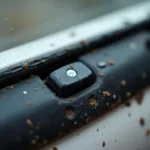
column 22, row 21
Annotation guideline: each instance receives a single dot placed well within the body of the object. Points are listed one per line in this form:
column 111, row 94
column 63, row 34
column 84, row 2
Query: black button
column 71, row 78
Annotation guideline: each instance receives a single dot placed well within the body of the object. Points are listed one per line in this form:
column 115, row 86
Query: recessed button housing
column 70, row 79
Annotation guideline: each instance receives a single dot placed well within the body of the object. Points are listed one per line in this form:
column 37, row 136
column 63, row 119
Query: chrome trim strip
column 52, row 43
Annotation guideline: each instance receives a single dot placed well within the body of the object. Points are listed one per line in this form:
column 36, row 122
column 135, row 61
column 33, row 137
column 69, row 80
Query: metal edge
column 98, row 27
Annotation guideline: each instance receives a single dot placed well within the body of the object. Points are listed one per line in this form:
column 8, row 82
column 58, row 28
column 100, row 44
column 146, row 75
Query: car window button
column 69, row 79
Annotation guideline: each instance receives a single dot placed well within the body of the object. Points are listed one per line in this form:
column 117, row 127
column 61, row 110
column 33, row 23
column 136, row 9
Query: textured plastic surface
column 22, row 117
column 120, row 129
column 127, row 69
column 31, row 114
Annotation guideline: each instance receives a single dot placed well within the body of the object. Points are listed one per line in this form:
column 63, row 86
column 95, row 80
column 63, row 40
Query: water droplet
column 25, row 92
column 102, row 64
column 35, row 89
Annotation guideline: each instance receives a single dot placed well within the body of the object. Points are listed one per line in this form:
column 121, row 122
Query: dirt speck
column 5, row 96
column 44, row 82
column 70, row 99
column 93, row 101
column 107, row 104
column 28, row 102
column 114, row 96
column 123, row 83
column 139, row 98
column 106, row 93
column 10, row 87
column 67, row 49
column 142, row 121
column 103, row 144
column 43, row 61
column 85, row 114
column 128, row 94
column 119, row 101
column 82, row 42
column 148, row 132
column 100, row 74
column 71, row 65
column 43, row 86
column 97, row 129
column 25, row 66
column 55, row 148
column 111, row 62
column 75, row 122
column 113, row 105
column 87, row 119
column 29, row 122
column 28, row 81
column 90, row 52
column 33, row 59
column 128, row 104
column 33, row 142
column 32, row 76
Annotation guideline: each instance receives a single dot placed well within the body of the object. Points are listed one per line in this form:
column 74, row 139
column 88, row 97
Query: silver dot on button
column 71, row 73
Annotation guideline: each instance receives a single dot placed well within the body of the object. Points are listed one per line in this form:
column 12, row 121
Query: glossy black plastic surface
column 128, row 65
column 31, row 113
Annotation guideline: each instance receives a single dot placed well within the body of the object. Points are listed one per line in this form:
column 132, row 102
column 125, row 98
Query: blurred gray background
column 22, row 21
